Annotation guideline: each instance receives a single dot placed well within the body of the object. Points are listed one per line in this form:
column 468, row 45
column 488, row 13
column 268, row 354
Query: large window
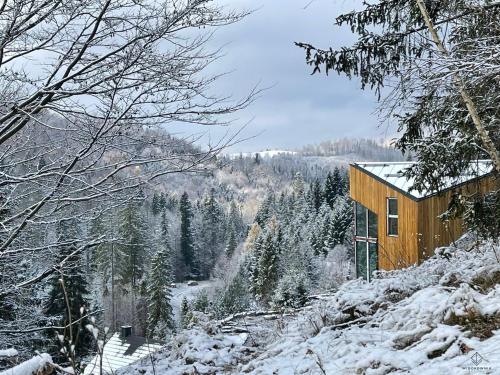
column 366, row 242
column 392, row 217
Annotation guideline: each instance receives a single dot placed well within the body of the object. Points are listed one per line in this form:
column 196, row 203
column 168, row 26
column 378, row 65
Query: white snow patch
column 397, row 324
column 30, row 367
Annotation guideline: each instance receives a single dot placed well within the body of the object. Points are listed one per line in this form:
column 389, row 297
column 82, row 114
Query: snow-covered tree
column 68, row 301
column 441, row 59
column 186, row 236
column 160, row 316
column 134, row 244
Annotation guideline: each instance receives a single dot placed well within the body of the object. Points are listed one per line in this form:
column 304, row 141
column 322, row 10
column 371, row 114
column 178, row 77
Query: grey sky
column 299, row 109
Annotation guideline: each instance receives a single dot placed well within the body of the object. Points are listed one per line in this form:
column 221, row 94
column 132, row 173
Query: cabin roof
column 120, row 352
column 391, row 173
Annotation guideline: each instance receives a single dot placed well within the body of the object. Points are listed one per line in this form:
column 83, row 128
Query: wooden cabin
column 395, row 226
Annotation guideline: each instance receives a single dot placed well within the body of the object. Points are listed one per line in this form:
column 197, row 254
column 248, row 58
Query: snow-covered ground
column 442, row 317
column 182, row 290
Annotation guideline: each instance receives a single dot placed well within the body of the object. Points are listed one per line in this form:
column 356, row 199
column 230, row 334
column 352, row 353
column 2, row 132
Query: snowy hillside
column 442, row 317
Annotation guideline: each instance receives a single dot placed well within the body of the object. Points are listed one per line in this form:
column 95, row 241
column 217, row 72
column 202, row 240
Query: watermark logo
column 477, row 359
column 479, row 362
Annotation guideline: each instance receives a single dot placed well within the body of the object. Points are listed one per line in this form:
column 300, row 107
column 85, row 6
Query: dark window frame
column 392, row 216
column 366, row 239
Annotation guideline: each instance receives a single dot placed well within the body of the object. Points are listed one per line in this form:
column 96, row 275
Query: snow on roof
column 392, row 174
column 120, row 352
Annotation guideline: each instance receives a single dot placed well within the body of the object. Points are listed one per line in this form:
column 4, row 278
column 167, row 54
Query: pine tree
column 333, row 187
column 163, row 201
column 235, row 298
column 186, row 313
column 186, row 241
column 75, row 287
column 160, row 317
column 210, row 234
column 156, row 204
column 447, row 113
column 266, row 272
column 329, row 190
column 235, row 218
column 232, row 243
column 265, row 210
column 338, row 183
column 134, row 245
column 298, row 184
column 316, row 195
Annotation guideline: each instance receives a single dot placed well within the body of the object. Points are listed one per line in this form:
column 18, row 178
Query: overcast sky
column 299, row 108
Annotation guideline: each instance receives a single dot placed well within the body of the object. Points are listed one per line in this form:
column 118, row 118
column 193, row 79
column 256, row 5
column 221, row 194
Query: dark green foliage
column 235, row 298
column 186, row 313
column 156, row 206
column 334, row 187
column 291, row 291
column 134, row 244
column 437, row 130
column 316, row 194
column 232, row 243
column 201, row 303
column 264, row 212
column 267, row 245
column 73, row 278
column 186, row 240
column 160, row 316
column 283, row 264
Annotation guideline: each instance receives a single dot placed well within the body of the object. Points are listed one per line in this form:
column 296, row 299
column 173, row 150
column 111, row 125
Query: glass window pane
column 361, row 259
column 392, row 229
column 372, row 224
column 393, row 206
column 360, row 220
column 373, row 257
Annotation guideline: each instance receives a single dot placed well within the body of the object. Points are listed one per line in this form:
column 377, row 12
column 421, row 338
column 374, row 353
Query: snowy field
column 439, row 318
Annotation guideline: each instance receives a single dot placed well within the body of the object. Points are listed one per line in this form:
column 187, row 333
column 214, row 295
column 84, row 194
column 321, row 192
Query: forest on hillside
column 119, row 205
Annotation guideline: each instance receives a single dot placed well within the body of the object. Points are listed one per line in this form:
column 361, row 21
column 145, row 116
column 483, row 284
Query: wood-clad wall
column 393, row 252
column 435, row 232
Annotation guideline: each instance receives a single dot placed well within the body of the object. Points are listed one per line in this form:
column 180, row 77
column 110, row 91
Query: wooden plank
column 434, row 231
column 394, row 252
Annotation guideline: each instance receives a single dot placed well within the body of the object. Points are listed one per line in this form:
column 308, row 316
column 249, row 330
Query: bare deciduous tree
column 86, row 88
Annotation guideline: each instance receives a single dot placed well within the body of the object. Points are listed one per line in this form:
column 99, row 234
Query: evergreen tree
column 235, row 219
column 232, row 243
column 338, row 183
column 210, row 234
column 329, row 190
column 186, row 313
column 102, row 253
column 265, row 210
column 75, row 288
column 334, row 187
column 163, row 201
column 316, row 194
column 298, row 184
column 160, row 317
column 156, row 204
column 134, row 245
column 186, row 241
column 266, row 272
column 235, row 298
column 447, row 112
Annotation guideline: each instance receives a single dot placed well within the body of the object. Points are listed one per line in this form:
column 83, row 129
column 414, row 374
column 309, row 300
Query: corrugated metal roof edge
column 357, row 165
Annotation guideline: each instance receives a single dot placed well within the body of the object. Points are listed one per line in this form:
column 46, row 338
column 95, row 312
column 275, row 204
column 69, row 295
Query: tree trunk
column 488, row 143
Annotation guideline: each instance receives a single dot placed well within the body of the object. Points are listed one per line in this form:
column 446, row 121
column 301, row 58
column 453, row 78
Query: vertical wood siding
column 394, row 252
column 435, row 232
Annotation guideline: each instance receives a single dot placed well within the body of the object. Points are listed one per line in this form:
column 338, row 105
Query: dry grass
column 481, row 326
